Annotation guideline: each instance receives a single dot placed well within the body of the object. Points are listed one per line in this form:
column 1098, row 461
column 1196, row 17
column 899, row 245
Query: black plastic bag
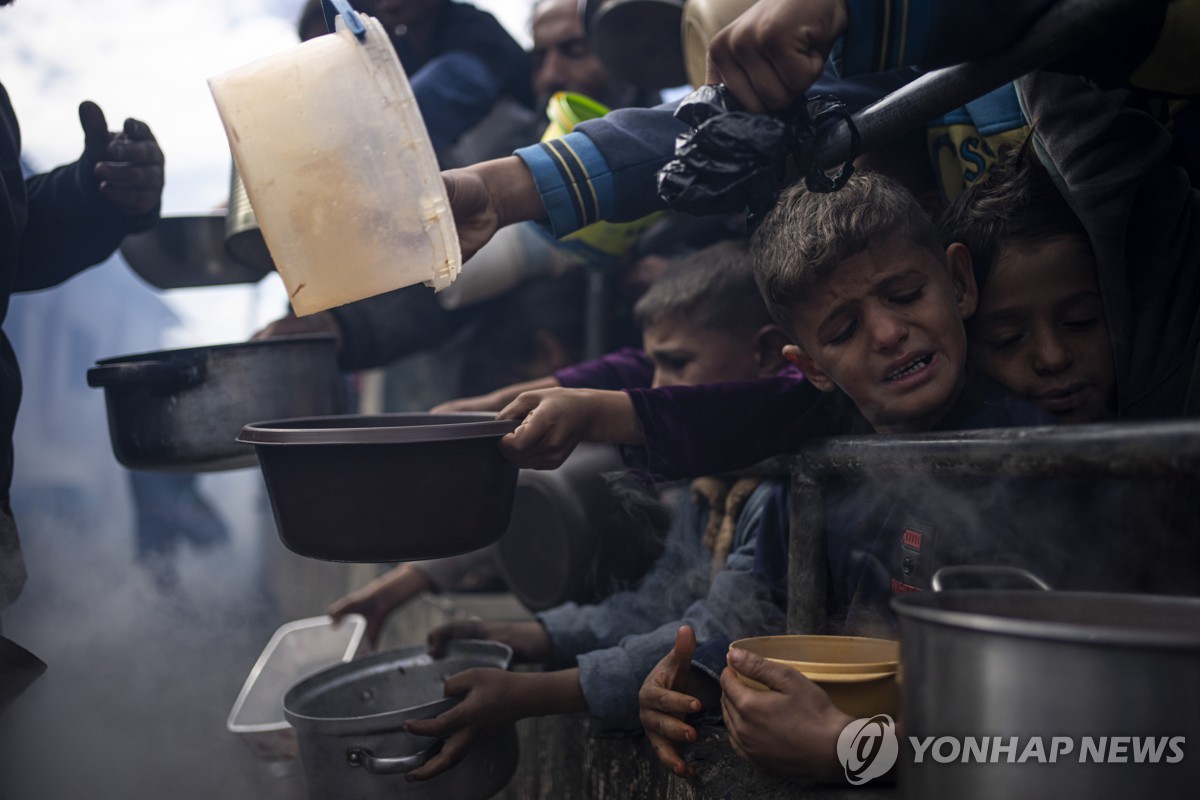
column 732, row 161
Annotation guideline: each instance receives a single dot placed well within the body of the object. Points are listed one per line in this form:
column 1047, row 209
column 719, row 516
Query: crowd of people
column 1029, row 259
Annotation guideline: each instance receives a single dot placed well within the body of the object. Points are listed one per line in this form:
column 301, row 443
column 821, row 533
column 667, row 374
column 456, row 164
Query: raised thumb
column 95, row 131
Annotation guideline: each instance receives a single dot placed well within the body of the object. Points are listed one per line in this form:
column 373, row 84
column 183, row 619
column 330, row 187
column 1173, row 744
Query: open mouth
column 916, row 365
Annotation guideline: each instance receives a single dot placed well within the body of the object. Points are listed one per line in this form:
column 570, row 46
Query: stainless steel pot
column 182, row 410
column 348, row 723
column 1073, row 665
column 243, row 237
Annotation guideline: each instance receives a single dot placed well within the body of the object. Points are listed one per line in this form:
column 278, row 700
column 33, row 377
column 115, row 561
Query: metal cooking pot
column 348, row 722
column 243, row 237
column 182, row 410
column 187, row 251
column 1027, row 664
column 571, row 537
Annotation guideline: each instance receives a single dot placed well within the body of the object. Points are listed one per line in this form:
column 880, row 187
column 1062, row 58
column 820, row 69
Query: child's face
column 685, row 354
column 886, row 327
column 1040, row 330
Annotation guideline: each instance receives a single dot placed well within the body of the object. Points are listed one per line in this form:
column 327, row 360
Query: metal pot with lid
column 1113, row 677
column 349, row 721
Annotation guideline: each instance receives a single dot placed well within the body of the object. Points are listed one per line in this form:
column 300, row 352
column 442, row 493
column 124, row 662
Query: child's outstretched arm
column 381, row 597
column 554, row 421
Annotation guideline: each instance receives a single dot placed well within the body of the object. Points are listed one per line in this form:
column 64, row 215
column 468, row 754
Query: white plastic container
column 297, row 650
column 339, row 169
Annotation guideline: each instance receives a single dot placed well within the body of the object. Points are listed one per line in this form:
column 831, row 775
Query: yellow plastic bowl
column 858, row 674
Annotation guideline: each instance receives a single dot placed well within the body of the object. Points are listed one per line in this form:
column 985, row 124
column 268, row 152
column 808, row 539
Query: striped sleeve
column 573, row 179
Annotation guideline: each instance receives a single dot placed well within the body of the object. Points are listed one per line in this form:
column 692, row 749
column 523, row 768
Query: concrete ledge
column 563, row 759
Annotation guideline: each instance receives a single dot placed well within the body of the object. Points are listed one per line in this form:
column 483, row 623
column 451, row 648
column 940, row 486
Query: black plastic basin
column 391, row 487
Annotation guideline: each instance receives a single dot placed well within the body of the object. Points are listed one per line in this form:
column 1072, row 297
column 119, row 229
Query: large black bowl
column 390, row 487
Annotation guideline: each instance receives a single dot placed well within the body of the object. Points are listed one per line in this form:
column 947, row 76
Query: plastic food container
column 339, row 169
column 859, row 674
column 296, row 651
column 386, row 487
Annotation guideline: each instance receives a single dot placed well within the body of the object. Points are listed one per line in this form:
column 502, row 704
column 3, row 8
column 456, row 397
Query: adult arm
column 78, row 213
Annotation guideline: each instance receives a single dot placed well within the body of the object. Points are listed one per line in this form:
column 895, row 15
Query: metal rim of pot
column 338, row 430
column 937, row 607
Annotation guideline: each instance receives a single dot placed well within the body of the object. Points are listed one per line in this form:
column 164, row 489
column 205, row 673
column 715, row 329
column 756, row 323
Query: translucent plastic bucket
column 339, row 169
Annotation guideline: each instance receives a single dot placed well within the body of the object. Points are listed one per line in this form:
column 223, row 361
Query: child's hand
column 554, row 421
column 380, row 597
column 790, row 729
column 527, row 638
column 663, row 708
column 490, row 700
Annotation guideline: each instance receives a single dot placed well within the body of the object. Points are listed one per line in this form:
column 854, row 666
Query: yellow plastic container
column 339, row 169
column 860, row 675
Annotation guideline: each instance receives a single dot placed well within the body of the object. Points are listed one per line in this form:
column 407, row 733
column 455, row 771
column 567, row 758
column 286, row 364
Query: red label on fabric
column 899, row 587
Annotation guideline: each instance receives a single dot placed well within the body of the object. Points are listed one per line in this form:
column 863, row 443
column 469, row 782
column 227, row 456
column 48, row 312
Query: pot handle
column 361, row 757
column 159, row 374
column 990, row 571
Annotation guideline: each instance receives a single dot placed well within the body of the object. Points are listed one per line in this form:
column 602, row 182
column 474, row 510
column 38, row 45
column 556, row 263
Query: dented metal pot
column 349, row 721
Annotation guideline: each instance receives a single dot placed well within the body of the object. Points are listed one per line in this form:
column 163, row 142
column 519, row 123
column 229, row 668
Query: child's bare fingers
column 520, row 407
column 668, row 756
column 451, row 753
column 434, row 726
column 668, row 701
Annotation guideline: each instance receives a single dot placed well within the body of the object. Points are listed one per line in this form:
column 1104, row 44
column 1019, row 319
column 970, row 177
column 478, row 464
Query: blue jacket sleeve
column 662, row 594
column 605, row 168
column 739, row 602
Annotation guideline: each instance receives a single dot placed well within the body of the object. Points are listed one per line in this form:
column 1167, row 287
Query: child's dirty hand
column 381, row 597
column 554, row 421
column 489, row 701
column 791, row 728
column 663, row 707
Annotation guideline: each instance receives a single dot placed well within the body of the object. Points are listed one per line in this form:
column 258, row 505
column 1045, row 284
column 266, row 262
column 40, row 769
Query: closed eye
column 1003, row 341
column 1081, row 324
column 843, row 336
